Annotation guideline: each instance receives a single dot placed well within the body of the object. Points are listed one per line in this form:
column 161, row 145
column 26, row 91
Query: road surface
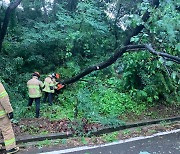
column 161, row 143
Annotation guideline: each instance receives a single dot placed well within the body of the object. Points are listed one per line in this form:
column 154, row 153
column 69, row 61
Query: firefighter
column 6, row 113
column 50, row 84
column 35, row 87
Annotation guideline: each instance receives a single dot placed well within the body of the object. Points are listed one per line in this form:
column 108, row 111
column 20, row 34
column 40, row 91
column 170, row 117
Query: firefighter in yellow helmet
column 6, row 113
column 35, row 87
column 50, row 87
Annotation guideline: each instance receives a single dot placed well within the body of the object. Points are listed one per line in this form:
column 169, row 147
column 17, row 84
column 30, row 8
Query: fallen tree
column 118, row 54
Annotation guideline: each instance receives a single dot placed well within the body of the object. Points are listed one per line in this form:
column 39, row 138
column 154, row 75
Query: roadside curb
column 109, row 130
column 25, row 139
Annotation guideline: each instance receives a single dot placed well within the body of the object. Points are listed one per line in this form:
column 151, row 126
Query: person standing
column 6, row 113
column 50, row 86
column 35, row 87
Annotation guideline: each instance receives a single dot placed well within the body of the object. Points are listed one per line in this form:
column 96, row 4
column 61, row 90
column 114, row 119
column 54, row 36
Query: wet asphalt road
column 168, row 144
column 165, row 144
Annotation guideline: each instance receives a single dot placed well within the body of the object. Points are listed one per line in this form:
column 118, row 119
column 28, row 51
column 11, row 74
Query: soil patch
column 42, row 126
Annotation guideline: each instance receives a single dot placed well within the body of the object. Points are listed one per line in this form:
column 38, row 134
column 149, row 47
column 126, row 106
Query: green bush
column 114, row 103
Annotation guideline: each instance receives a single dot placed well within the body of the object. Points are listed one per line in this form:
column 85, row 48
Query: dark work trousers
column 49, row 96
column 37, row 101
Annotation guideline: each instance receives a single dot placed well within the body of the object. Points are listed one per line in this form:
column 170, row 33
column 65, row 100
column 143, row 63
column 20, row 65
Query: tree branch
column 3, row 29
column 138, row 29
column 162, row 54
column 118, row 54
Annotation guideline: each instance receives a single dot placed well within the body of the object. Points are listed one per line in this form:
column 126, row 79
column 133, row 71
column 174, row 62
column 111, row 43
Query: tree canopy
column 134, row 44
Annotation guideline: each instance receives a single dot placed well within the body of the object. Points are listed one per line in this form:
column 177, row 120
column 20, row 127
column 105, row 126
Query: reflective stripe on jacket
column 10, row 141
column 34, row 87
column 8, row 133
column 5, row 106
column 50, row 84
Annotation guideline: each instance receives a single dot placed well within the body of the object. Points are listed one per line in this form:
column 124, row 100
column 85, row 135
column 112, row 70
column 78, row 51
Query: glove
column 51, row 88
column 10, row 115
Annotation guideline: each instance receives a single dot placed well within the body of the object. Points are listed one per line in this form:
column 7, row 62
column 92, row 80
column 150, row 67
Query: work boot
column 37, row 116
column 14, row 150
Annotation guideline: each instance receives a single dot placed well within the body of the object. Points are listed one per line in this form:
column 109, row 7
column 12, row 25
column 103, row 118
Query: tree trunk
column 115, row 26
column 4, row 26
column 54, row 10
column 72, row 4
column 45, row 12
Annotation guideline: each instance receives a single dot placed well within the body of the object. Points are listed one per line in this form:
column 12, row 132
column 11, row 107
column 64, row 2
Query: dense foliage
column 68, row 36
